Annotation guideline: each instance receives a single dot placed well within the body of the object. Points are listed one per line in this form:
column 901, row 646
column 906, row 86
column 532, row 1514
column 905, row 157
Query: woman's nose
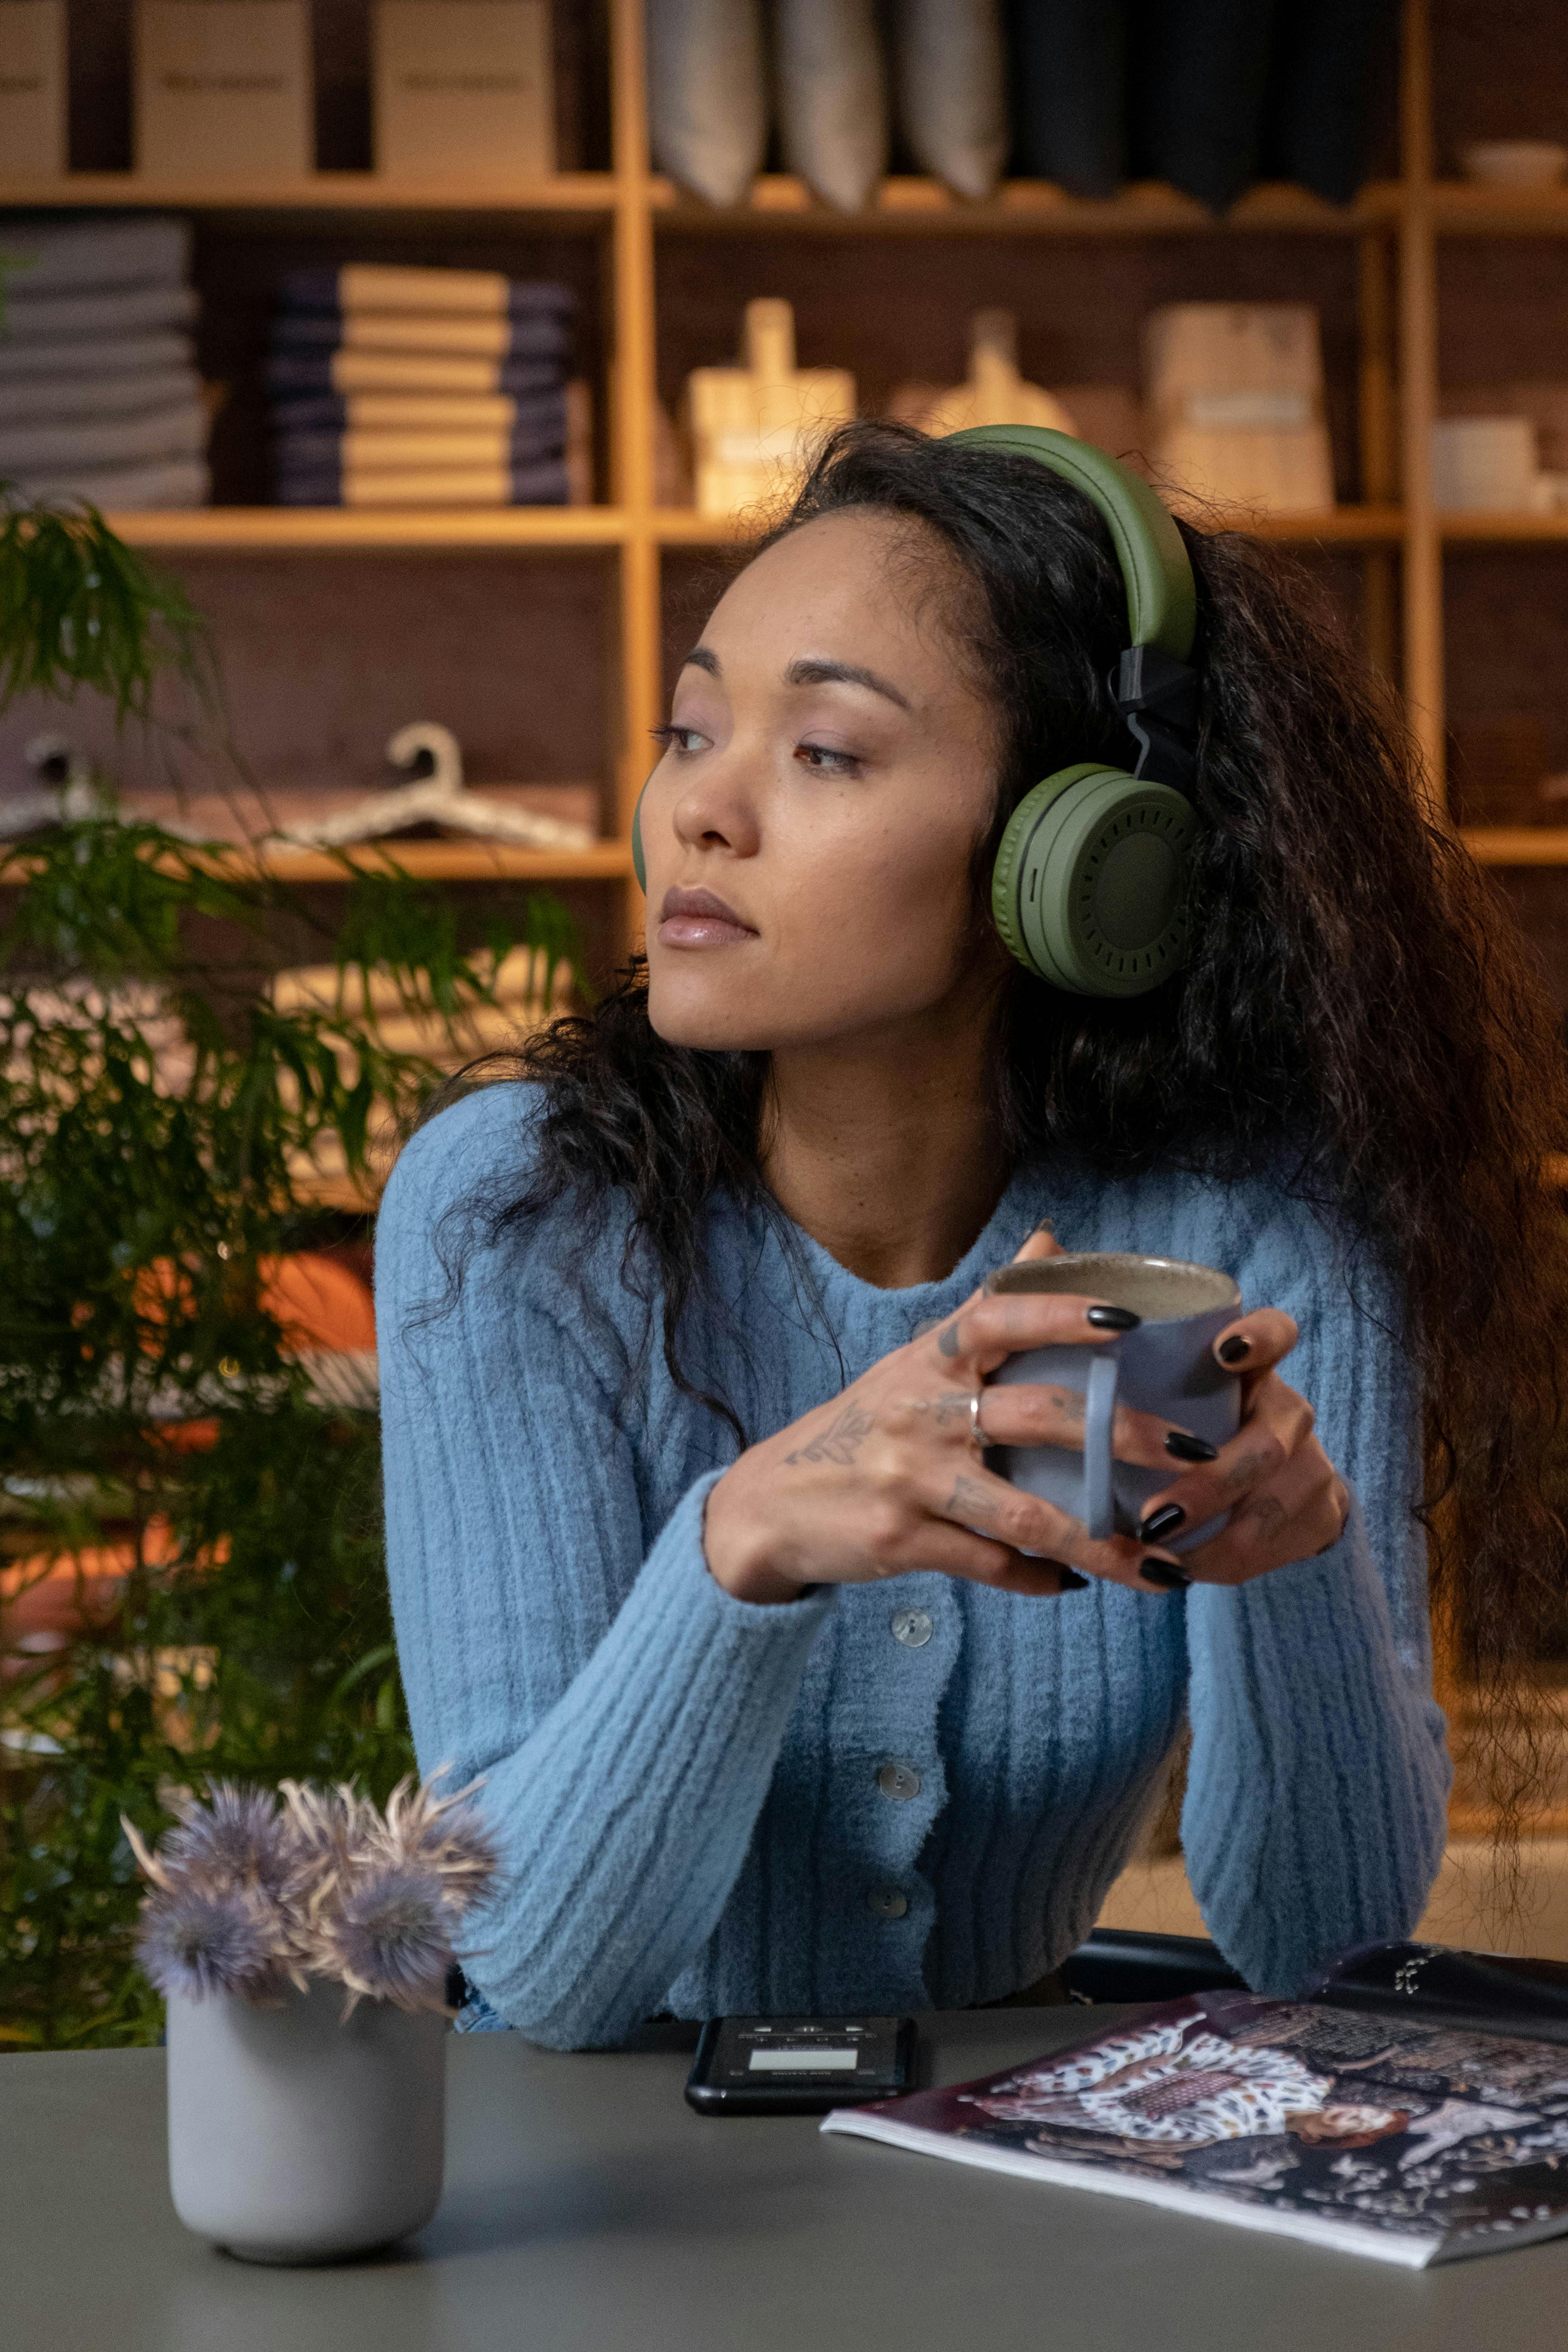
column 716, row 809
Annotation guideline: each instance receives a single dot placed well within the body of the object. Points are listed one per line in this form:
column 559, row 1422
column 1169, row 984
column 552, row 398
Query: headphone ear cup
column 1090, row 884
column 639, row 863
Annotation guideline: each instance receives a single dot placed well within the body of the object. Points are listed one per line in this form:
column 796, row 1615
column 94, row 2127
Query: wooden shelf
column 285, row 531
column 1466, row 208
column 422, row 861
column 1517, row 845
column 1502, row 529
column 1145, row 208
column 1379, row 526
column 589, row 196
column 434, row 861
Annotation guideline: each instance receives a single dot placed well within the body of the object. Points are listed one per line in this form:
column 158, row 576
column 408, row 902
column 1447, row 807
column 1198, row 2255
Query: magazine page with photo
column 1411, row 2142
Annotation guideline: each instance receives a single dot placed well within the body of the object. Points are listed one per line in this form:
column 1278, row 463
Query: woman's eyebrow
column 811, row 672
column 703, row 658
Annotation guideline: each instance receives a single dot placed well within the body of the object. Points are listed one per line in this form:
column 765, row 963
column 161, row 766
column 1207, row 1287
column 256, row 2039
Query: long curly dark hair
column 1359, row 1008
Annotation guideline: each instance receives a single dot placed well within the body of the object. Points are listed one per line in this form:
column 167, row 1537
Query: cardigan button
column 912, row 1627
column 886, row 1903
column 897, row 1779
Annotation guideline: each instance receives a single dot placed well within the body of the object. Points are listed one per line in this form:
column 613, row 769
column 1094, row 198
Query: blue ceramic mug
column 1166, row 1367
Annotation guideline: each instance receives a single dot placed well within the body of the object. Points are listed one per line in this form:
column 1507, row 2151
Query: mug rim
column 998, row 1285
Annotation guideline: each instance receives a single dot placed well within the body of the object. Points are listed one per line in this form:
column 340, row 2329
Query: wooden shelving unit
column 1394, row 225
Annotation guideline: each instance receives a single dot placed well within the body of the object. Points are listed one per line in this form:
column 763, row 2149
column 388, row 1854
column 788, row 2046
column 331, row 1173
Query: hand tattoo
column 839, row 1442
column 947, row 1338
column 968, row 1495
column 951, row 1407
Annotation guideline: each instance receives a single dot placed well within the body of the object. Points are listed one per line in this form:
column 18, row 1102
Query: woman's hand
column 1285, row 1498
column 890, row 1477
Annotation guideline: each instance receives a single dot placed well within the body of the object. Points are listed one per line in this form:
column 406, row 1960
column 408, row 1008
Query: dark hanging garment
column 1332, row 61
column 1069, row 63
column 1197, row 81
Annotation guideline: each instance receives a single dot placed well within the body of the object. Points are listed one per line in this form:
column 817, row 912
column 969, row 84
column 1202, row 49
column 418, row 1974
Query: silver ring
column 976, row 1434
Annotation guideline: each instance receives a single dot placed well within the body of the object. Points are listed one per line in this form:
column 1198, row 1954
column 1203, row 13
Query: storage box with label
column 1236, row 405
column 464, row 89
column 755, row 428
column 223, row 89
column 32, row 87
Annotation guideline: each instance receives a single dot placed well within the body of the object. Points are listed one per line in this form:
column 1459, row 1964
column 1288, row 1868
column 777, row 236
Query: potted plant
column 191, row 1582
column 303, row 1948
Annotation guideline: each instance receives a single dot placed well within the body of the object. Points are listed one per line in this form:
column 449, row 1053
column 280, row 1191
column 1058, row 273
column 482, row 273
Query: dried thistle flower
column 196, row 1940
column 246, row 1895
column 239, row 1838
column 388, row 1936
column 448, row 1835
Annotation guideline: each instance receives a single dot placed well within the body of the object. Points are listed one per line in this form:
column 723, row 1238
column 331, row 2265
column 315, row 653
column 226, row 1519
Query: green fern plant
column 170, row 1470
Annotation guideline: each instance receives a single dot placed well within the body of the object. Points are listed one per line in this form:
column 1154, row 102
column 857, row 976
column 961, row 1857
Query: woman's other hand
column 1286, row 1500
column 889, row 1478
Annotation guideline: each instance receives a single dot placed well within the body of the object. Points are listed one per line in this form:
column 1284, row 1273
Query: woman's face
column 827, row 773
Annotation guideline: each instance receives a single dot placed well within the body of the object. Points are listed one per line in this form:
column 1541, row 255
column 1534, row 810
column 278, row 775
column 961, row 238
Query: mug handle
column 1099, row 1450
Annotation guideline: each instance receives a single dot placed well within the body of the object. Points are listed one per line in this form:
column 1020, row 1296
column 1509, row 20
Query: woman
column 787, row 1701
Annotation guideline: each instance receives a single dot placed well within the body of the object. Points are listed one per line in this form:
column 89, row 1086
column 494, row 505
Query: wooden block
column 1236, row 405
column 223, row 89
column 993, row 393
column 464, row 89
column 32, row 87
column 754, row 428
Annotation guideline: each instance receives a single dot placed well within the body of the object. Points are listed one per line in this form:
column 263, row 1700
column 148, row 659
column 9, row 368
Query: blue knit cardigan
column 685, row 1786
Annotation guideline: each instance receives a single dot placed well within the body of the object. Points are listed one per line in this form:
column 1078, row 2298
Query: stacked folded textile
column 99, row 393
column 395, row 387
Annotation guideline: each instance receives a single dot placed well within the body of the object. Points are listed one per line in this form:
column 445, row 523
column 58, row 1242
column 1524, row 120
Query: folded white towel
column 109, row 355
column 30, row 318
column 59, row 256
column 54, row 397
column 177, row 432
column 177, row 482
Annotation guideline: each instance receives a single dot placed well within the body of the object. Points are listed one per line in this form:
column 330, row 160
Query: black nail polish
column 1233, row 1351
column 1189, row 1449
column 1160, row 1524
column 1071, row 1580
column 1112, row 1318
column 1161, row 1572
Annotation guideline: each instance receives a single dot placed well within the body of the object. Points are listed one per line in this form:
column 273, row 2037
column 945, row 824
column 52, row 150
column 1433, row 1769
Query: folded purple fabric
column 315, row 372
column 325, row 486
column 334, row 290
column 500, row 339
column 542, row 412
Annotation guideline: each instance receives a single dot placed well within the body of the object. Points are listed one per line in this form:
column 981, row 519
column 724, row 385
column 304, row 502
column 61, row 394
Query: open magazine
column 1415, row 2143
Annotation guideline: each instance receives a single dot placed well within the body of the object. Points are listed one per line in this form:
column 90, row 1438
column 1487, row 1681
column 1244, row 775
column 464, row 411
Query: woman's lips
column 698, row 919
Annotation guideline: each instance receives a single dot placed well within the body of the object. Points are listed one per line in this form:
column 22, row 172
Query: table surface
column 588, row 2209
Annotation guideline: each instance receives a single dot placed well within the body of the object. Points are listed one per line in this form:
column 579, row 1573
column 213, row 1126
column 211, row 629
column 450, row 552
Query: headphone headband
column 1161, row 603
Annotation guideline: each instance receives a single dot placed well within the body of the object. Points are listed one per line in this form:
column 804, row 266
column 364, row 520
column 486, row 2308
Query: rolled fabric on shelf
column 951, row 86
column 832, row 97
column 29, row 398
column 543, row 413
column 92, row 442
column 63, row 318
column 1068, row 88
column 125, row 355
column 176, row 482
column 1327, row 57
column 69, row 256
column 707, row 108
column 1197, row 81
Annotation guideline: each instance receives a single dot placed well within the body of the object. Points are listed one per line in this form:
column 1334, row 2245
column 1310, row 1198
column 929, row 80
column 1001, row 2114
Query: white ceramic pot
column 295, row 2137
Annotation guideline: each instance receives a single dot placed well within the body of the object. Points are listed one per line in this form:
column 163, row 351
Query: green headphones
column 1088, row 887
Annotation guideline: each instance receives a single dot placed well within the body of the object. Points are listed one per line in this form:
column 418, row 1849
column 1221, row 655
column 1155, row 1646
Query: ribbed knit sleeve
column 1317, row 1792
column 627, row 1711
